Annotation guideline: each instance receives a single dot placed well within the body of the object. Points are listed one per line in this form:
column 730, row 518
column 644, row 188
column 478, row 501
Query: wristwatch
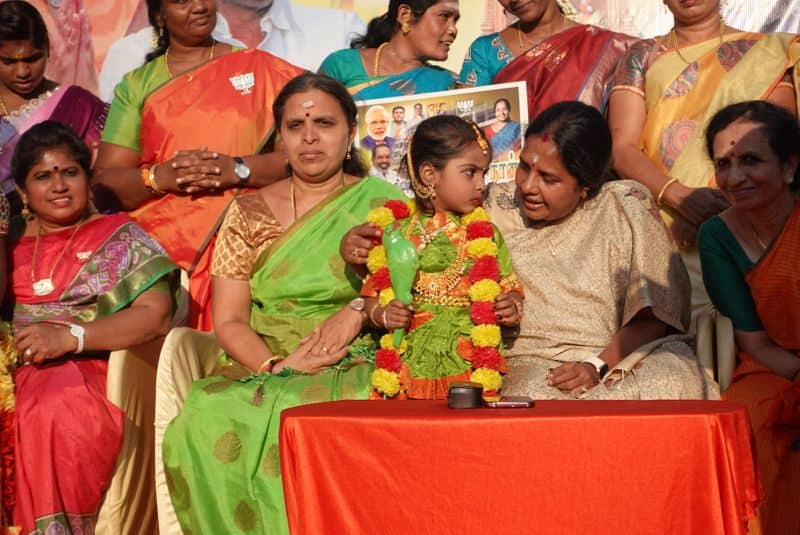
column 358, row 305
column 78, row 332
column 599, row 365
column 241, row 171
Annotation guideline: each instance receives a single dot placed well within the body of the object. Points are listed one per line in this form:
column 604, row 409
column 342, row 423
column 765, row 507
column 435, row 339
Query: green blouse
column 725, row 266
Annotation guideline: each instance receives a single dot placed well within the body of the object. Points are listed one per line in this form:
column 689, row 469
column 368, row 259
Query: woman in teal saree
column 391, row 59
column 281, row 317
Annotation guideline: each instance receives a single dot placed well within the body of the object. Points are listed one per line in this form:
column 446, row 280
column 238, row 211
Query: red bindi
column 546, row 137
column 733, row 142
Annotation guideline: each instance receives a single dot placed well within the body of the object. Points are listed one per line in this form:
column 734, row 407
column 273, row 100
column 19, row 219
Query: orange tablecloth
column 615, row 467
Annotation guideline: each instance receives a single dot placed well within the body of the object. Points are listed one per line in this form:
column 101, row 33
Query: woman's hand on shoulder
column 573, row 377
column 40, row 342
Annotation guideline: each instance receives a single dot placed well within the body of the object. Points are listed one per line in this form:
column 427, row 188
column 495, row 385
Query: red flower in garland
column 486, row 357
column 398, row 208
column 481, row 312
column 485, row 267
column 381, row 279
column 479, row 229
column 388, row 359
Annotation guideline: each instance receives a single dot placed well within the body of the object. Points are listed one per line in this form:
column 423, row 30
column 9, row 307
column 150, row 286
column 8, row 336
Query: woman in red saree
column 185, row 132
column 750, row 253
column 559, row 59
column 82, row 285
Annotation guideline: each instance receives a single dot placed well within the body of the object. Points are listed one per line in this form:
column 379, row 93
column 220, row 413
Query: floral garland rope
column 8, row 358
column 484, row 276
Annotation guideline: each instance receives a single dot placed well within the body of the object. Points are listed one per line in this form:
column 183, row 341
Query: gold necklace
column 377, row 64
column 3, row 107
column 294, row 198
column 521, row 35
column 166, row 57
column 758, row 238
column 45, row 286
column 673, row 41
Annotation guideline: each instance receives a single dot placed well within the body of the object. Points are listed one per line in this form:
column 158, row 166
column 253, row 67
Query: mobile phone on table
column 511, row 402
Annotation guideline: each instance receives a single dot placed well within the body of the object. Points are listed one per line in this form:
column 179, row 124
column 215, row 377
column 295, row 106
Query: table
column 589, row 467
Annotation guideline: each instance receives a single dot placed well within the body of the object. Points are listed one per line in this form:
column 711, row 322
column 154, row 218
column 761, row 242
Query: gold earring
column 347, row 156
column 26, row 214
column 405, row 28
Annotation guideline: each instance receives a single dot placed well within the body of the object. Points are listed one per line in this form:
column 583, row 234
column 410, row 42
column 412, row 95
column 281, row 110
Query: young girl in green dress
column 464, row 289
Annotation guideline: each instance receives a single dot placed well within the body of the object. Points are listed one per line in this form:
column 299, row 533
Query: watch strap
column 599, row 364
column 80, row 334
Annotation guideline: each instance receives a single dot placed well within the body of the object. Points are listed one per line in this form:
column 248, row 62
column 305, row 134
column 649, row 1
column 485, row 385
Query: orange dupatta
column 203, row 108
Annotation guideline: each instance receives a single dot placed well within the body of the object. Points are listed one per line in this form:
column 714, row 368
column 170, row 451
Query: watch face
column 357, row 304
column 241, row 170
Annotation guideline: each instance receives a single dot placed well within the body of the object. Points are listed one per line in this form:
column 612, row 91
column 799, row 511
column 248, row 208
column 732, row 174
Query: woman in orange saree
column 186, row 132
column 750, row 253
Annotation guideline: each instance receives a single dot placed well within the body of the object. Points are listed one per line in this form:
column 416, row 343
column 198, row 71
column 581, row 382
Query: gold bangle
column 663, row 190
column 267, row 365
column 149, row 179
column 371, row 317
column 518, row 306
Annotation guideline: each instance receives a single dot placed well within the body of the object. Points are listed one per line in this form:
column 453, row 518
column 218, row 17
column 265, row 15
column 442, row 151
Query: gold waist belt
column 462, row 301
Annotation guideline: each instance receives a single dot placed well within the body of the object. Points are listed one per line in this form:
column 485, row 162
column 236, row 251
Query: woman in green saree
column 281, row 317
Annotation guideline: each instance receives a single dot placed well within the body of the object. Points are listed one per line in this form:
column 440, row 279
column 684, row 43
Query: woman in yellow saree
column 665, row 92
column 185, row 132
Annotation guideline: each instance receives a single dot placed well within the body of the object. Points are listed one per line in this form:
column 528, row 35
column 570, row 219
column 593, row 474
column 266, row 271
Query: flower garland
column 483, row 348
column 8, row 358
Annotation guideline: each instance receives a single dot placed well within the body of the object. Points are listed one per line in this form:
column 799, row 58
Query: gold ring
column 355, row 252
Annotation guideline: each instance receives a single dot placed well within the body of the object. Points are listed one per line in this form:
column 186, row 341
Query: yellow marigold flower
column 386, row 382
column 485, row 335
column 412, row 207
column 6, row 393
column 387, row 343
column 484, row 290
column 490, row 379
column 385, row 297
column 377, row 258
column 481, row 247
column 478, row 214
column 380, row 217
